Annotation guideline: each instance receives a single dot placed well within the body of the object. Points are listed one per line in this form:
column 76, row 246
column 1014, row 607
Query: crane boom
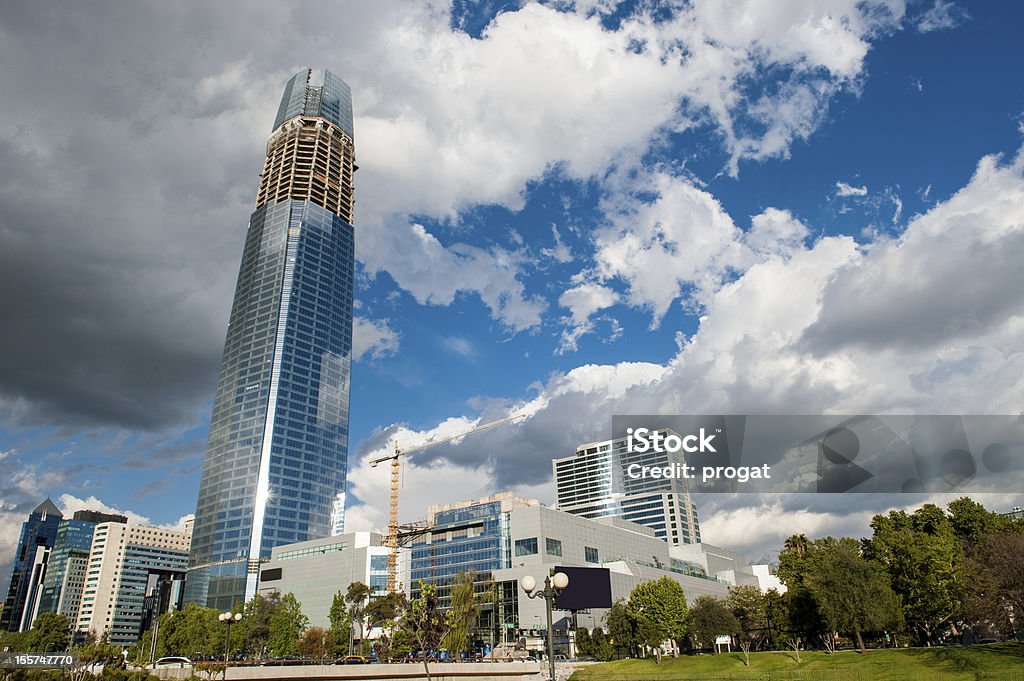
column 393, row 457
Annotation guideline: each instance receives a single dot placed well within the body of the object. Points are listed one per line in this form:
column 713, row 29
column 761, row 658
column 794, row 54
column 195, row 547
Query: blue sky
column 572, row 209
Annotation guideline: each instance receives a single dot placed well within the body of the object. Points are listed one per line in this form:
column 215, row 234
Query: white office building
column 593, row 483
column 315, row 570
column 121, row 559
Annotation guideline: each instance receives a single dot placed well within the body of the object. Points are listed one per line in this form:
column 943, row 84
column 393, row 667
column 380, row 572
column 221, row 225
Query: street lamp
column 228, row 619
column 553, row 585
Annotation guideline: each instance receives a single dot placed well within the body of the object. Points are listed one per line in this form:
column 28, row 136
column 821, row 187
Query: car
column 353, row 659
column 172, row 662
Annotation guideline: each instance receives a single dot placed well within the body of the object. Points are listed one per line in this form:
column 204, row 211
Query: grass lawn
column 1002, row 662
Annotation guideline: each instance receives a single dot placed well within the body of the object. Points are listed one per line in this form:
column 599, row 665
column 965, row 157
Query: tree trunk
column 860, row 640
column 426, row 669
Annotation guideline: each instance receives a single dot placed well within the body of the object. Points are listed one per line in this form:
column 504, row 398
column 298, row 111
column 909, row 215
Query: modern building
column 1016, row 513
column 722, row 564
column 503, row 538
column 277, row 454
column 66, row 570
column 38, row 535
column 121, row 561
column 594, row 483
column 314, row 571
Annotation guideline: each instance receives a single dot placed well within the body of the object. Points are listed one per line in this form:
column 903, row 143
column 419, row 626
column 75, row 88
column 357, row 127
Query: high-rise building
column 121, row 561
column 62, row 586
column 276, row 459
column 594, row 483
column 38, row 534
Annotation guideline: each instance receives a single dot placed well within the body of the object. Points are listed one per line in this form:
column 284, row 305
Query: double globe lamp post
column 228, row 619
column 553, row 585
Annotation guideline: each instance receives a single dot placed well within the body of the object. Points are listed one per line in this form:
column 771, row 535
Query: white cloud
column 459, row 345
column 942, row 15
column 930, row 324
column 373, row 337
column 844, row 189
column 69, row 503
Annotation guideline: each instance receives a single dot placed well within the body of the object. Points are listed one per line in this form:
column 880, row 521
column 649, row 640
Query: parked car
column 353, row 659
column 173, row 662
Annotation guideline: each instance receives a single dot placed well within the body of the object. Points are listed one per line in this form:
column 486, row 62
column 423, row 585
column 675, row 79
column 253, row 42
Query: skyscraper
column 277, row 455
column 593, row 483
column 37, row 536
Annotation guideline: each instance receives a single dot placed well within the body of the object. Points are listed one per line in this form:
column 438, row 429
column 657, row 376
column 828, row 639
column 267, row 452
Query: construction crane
column 393, row 457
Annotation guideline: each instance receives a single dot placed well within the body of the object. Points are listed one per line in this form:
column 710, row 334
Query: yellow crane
column 393, row 457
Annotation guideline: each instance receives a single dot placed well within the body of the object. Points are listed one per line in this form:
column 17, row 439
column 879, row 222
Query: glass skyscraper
column 277, row 455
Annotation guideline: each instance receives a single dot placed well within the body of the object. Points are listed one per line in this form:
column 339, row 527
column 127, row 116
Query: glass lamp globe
column 528, row 583
column 560, row 580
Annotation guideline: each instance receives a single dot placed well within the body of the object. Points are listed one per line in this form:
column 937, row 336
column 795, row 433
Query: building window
column 590, row 554
column 553, row 547
column 526, row 547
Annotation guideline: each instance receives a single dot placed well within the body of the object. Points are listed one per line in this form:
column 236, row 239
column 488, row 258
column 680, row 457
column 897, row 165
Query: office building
column 314, row 571
column 276, row 458
column 121, row 561
column 504, row 538
column 62, row 585
column 38, row 534
column 593, row 483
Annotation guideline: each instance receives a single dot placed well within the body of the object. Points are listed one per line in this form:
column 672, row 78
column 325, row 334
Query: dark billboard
column 588, row 588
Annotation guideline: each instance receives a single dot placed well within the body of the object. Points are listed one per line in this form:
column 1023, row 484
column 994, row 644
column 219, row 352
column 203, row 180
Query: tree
column 357, row 596
column 600, row 646
column 709, row 618
column 996, row 593
column 425, row 623
column 316, row 643
column 749, row 607
column 583, row 645
column 287, row 624
column 49, row 633
column 255, row 625
column 341, row 622
column 658, row 609
column 461, row 616
column 621, row 630
column 192, row 631
column 853, row 594
column 972, row 523
column 920, row 552
column 384, row 613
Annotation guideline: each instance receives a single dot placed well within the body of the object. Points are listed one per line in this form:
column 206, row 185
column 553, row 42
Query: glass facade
column 277, row 454
column 38, row 533
column 472, row 539
column 65, row 572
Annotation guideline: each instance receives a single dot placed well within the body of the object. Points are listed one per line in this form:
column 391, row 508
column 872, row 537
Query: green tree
column 425, row 623
column 357, row 596
column 384, row 613
column 255, row 625
column 341, row 622
column 583, row 645
column 193, row 631
column 658, row 608
column 287, row 624
column 600, row 646
column 996, row 592
column 921, row 554
column 749, row 607
column 461, row 617
column 709, row 618
column 972, row 523
column 853, row 594
column 621, row 628
column 49, row 633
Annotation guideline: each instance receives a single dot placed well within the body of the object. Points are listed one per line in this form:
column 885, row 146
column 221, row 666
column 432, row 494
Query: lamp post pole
column 553, row 585
column 227, row 618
